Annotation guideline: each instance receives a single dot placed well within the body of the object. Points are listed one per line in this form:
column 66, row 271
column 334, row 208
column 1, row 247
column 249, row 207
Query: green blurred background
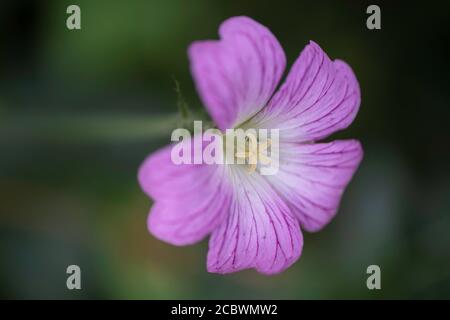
column 80, row 110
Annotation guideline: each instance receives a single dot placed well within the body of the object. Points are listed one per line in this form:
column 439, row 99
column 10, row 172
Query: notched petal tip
column 315, row 177
column 190, row 200
column 268, row 268
column 319, row 97
column 259, row 233
column 236, row 75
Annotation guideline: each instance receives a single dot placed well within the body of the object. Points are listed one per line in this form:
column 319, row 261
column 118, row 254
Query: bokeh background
column 80, row 110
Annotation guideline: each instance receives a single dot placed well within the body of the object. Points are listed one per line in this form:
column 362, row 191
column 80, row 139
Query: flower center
column 253, row 152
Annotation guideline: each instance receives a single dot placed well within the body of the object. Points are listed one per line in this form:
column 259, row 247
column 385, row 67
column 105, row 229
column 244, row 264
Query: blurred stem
column 86, row 128
column 183, row 107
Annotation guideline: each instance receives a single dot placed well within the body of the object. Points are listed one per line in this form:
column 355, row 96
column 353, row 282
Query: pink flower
column 255, row 220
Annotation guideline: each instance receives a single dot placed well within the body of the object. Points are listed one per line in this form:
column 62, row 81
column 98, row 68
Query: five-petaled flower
column 255, row 220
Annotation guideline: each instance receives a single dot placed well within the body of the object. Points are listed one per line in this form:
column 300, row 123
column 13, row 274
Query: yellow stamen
column 254, row 153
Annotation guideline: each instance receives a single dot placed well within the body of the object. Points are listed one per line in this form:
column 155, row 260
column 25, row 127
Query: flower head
column 255, row 220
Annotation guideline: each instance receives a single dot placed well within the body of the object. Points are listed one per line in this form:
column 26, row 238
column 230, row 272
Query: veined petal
column 190, row 199
column 260, row 231
column 318, row 98
column 313, row 177
column 237, row 75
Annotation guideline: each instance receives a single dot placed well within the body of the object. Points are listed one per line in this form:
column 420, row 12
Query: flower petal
column 237, row 75
column 191, row 199
column 313, row 177
column 260, row 231
column 319, row 97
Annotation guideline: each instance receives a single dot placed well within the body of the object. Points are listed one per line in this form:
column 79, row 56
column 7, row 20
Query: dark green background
column 80, row 110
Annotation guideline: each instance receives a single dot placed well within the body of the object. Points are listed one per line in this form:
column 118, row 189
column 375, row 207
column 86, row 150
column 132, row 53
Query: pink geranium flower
column 255, row 220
